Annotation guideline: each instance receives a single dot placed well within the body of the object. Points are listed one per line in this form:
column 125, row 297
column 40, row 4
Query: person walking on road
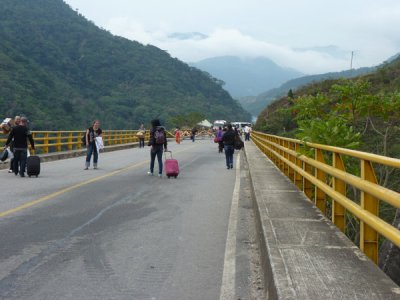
column 247, row 130
column 17, row 121
column 20, row 134
column 140, row 134
column 158, row 142
column 91, row 134
column 229, row 140
column 193, row 136
column 178, row 135
column 219, row 135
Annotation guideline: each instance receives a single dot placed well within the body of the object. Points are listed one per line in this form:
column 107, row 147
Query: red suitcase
column 171, row 166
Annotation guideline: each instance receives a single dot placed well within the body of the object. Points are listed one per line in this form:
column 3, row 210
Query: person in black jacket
column 17, row 121
column 229, row 141
column 20, row 134
column 157, row 141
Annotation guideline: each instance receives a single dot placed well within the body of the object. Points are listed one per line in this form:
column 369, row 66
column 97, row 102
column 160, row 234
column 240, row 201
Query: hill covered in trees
column 256, row 104
column 62, row 71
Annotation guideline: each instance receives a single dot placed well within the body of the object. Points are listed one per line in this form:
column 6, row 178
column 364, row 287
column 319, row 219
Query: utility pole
column 351, row 62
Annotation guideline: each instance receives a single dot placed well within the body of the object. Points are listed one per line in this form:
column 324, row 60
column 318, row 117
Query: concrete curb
column 304, row 256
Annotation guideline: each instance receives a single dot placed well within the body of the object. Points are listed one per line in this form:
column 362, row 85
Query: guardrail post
column 70, row 144
column 338, row 211
column 58, row 141
column 46, row 143
column 299, row 163
column 307, row 185
column 134, row 137
column 79, row 143
column 285, row 155
column 281, row 153
column 320, row 197
column 292, row 158
column 368, row 236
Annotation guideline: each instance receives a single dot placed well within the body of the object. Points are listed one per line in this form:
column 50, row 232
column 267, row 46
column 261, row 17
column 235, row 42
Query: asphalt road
column 116, row 233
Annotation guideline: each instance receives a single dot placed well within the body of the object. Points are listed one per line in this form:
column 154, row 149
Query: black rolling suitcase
column 33, row 165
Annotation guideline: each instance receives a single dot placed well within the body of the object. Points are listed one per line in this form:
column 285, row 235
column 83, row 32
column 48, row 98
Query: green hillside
column 62, row 71
column 256, row 104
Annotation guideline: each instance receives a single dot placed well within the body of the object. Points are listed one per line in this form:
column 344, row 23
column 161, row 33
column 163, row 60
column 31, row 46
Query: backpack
column 83, row 140
column 238, row 144
column 159, row 136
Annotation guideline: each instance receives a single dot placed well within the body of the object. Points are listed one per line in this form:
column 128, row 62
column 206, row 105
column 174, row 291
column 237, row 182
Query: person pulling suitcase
column 21, row 134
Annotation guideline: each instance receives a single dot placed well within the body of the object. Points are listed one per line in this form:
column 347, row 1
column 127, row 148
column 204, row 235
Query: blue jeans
column 20, row 161
column 229, row 150
column 156, row 150
column 92, row 149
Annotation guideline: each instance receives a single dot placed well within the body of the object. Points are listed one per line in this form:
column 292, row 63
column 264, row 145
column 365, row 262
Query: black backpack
column 83, row 140
column 238, row 144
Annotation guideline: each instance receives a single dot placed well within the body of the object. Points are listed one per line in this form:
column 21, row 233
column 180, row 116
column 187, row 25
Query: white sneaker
column 10, row 171
column 160, row 175
column 150, row 174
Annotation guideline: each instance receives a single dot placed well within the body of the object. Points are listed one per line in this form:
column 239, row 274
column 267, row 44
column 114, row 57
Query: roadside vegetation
column 362, row 114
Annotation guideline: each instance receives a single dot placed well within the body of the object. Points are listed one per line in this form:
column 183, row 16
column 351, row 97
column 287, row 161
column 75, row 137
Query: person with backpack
column 90, row 141
column 229, row 141
column 158, row 143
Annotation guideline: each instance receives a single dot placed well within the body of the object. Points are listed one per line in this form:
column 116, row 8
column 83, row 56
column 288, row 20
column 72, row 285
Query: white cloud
column 259, row 28
column 225, row 41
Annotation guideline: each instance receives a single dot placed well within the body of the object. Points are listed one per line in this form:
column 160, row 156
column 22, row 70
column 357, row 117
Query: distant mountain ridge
column 256, row 104
column 246, row 76
column 62, row 71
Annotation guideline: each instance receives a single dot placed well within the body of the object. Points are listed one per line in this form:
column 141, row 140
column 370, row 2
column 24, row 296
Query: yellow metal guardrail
column 320, row 181
column 56, row 141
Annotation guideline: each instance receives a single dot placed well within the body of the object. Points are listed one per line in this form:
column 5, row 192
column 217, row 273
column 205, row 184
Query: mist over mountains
column 246, row 76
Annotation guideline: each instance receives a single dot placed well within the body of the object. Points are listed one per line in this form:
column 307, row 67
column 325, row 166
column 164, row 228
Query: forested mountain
column 256, row 104
column 246, row 76
column 62, row 71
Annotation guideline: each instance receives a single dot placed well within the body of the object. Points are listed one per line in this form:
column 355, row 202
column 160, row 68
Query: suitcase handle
column 165, row 154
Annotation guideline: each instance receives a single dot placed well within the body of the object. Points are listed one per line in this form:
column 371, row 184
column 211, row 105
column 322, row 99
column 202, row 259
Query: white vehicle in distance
column 219, row 123
column 241, row 125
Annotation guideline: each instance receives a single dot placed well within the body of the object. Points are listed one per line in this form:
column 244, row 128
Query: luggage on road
column 171, row 166
column 33, row 165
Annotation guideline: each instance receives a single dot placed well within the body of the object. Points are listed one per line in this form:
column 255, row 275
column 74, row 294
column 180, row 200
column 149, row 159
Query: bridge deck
column 305, row 256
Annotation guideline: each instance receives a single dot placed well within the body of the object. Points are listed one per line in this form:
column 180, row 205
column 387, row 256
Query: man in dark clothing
column 229, row 141
column 20, row 134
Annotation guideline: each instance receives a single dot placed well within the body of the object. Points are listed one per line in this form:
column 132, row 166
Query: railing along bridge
column 322, row 176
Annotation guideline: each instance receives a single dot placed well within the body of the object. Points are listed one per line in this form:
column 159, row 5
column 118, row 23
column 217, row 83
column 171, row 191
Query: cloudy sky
column 312, row 36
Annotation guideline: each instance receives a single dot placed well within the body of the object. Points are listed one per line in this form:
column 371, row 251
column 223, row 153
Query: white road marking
column 228, row 276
